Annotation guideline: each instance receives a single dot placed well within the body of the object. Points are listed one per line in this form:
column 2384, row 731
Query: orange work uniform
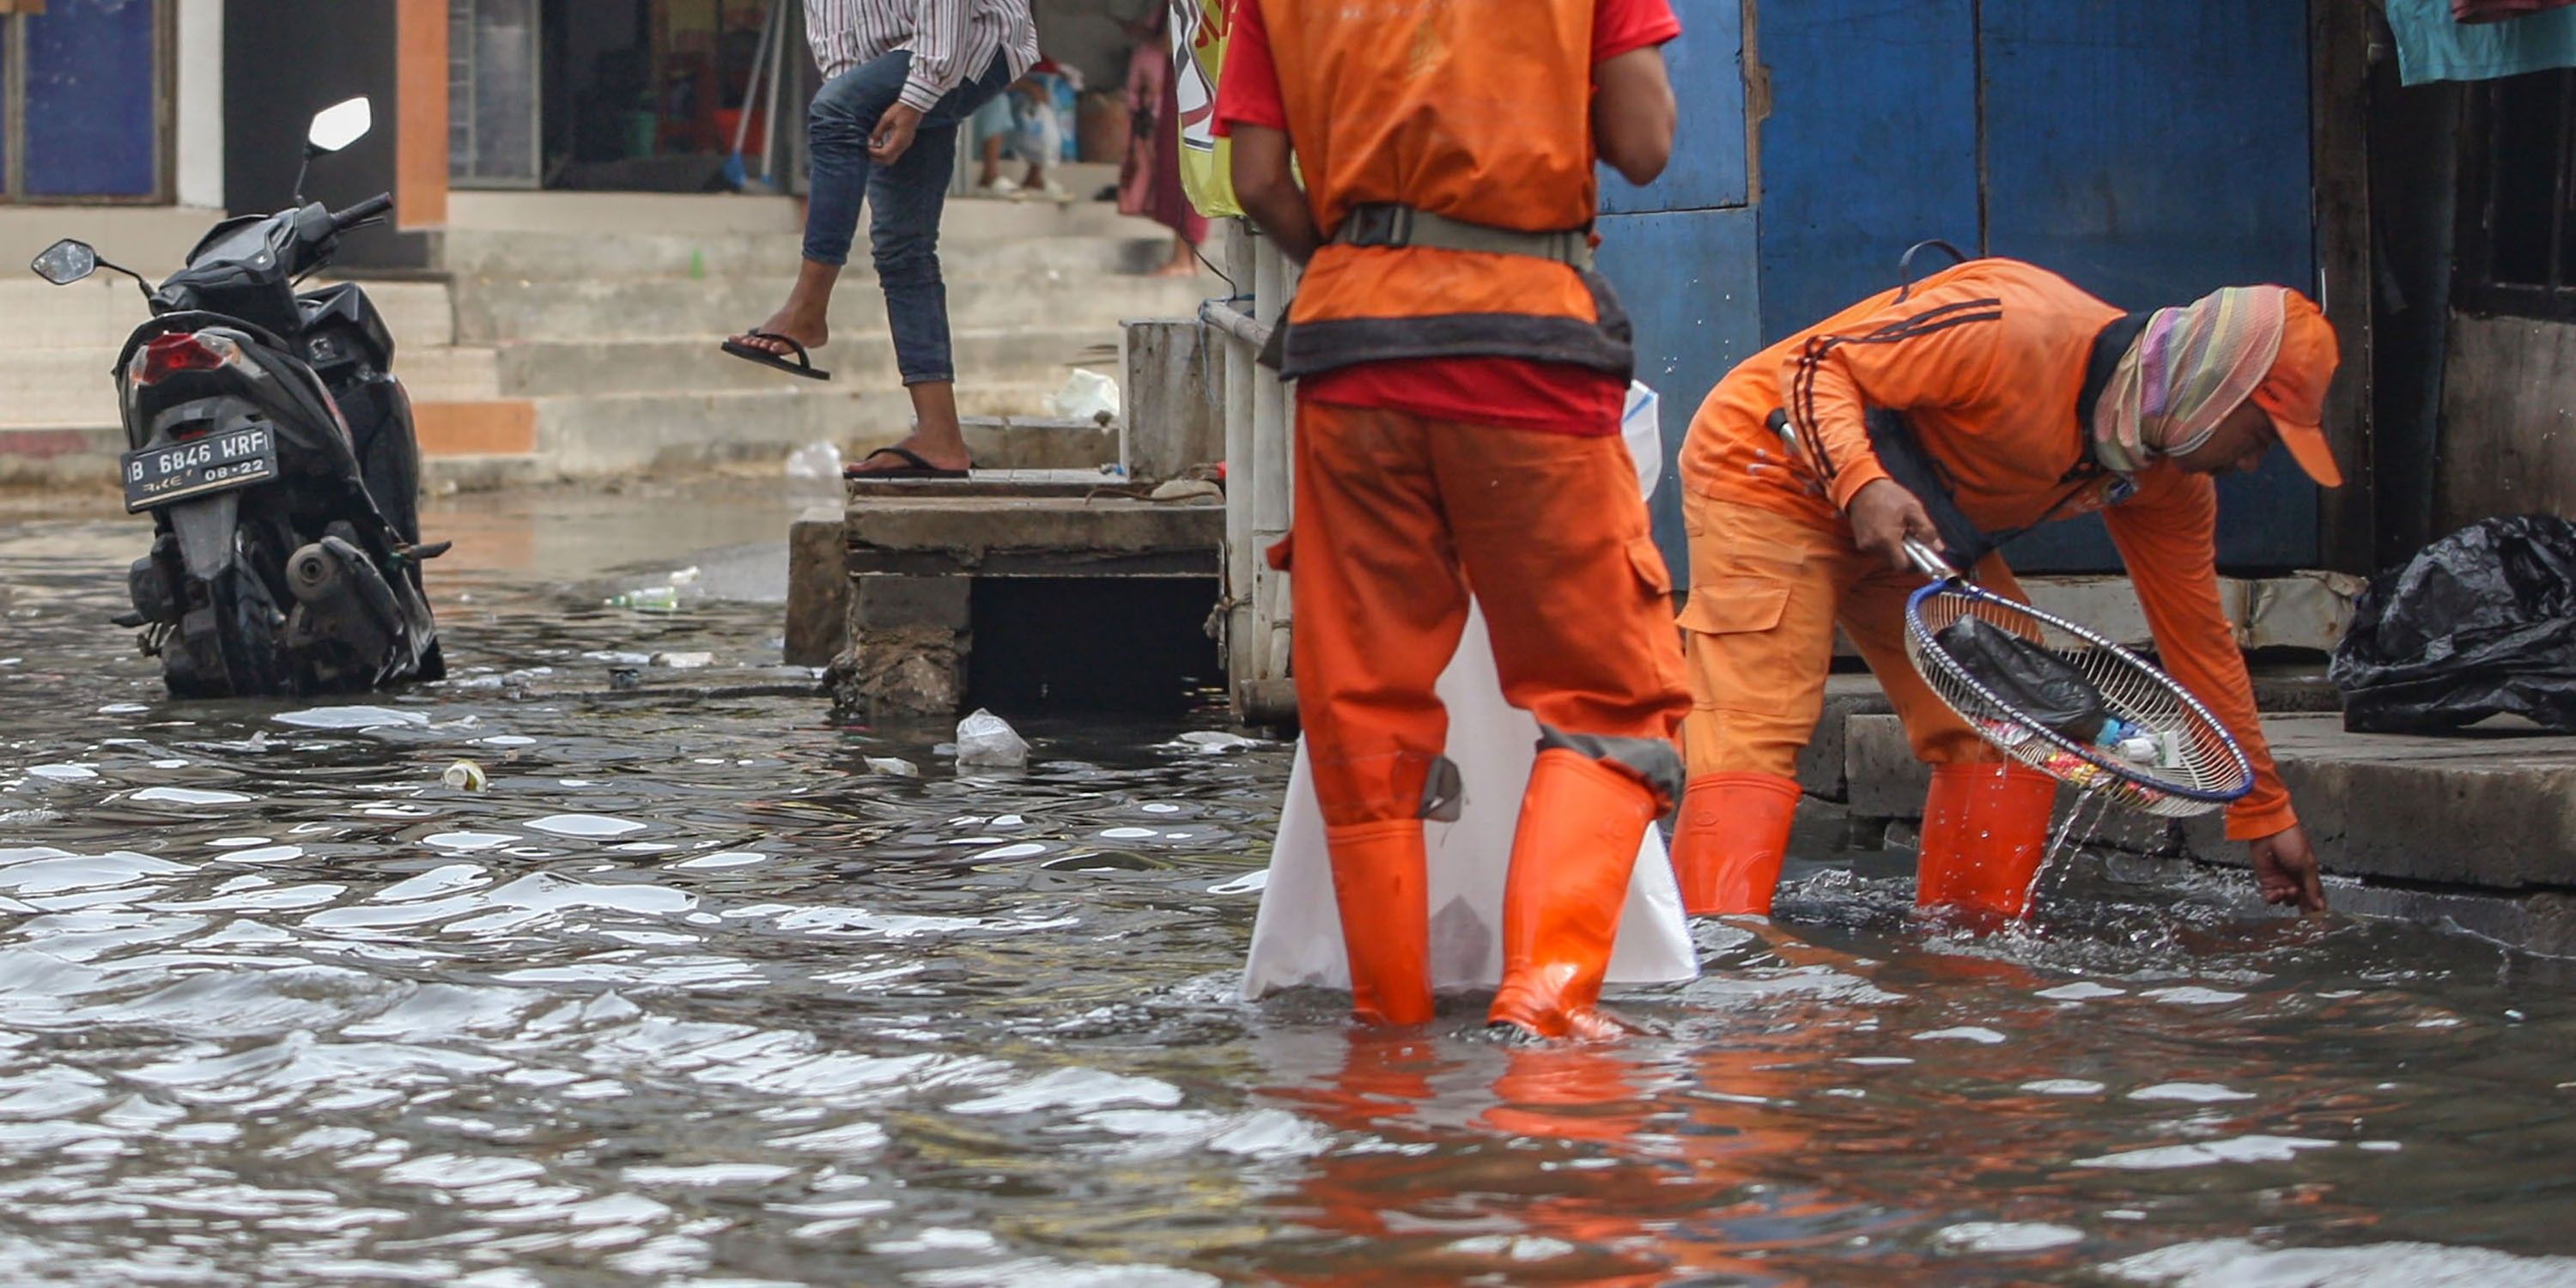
column 1987, row 361
column 1441, row 110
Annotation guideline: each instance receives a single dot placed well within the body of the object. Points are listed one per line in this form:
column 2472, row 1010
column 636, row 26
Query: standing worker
column 1462, row 371
column 898, row 76
column 2032, row 401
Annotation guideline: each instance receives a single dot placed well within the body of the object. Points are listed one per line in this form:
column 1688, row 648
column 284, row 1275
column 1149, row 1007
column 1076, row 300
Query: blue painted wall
column 1681, row 251
column 92, row 100
column 2148, row 151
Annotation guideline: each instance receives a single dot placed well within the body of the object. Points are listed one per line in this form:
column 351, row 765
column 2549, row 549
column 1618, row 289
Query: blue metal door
column 1681, row 251
column 2149, row 152
column 90, row 77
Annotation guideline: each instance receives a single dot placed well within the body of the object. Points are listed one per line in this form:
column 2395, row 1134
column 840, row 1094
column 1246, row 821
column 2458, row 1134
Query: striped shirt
column 952, row 41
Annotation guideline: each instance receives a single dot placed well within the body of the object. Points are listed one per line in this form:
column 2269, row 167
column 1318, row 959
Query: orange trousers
column 1767, row 590
column 1396, row 516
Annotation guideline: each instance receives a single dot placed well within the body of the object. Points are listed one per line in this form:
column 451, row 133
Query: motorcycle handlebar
column 343, row 220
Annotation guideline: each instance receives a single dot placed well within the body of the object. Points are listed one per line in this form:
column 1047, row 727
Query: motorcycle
column 272, row 445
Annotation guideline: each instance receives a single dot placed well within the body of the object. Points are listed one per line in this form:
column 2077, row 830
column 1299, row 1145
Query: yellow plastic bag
column 1198, row 52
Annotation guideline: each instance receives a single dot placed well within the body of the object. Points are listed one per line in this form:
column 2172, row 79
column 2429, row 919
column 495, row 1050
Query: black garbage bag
column 2479, row 623
column 2037, row 684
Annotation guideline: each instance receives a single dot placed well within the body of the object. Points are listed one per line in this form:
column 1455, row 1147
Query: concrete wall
column 199, row 131
column 2508, row 440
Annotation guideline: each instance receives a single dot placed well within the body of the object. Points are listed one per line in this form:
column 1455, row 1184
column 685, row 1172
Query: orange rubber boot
column 1571, row 856
column 1382, row 885
column 1727, row 849
column 1985, row 830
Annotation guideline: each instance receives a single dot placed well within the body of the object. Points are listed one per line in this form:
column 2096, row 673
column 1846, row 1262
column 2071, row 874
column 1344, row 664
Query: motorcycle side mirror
column 339, row 125
column 65, row 262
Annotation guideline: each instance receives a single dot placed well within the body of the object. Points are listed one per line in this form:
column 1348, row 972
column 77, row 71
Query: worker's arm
column 2168, row 537
column 1633, row 114
column 1934, row 349
column 1267, row 190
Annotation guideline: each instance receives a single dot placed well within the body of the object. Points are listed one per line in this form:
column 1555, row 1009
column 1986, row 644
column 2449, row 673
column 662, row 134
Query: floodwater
column 691, row 995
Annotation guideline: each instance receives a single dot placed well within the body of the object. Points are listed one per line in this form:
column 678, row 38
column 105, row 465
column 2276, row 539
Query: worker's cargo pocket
column 1648, row 563
column 1737, row 604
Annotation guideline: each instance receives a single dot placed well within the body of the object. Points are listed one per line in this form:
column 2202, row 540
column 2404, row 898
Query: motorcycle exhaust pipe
column 313, row 574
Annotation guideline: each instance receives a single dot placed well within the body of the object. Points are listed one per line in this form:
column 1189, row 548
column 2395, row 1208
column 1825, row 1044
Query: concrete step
column 40, row 387
column 556, row 256
column 616, row 214
column 1031, row 355
column 645, row 308
column 101, row 312
column 592, row 436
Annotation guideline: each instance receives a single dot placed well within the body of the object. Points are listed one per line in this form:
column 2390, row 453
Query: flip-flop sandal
column 915, row 468
column 803, row 366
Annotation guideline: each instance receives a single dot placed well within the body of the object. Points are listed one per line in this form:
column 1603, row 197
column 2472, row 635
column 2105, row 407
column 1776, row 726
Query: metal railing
column 1259, row 496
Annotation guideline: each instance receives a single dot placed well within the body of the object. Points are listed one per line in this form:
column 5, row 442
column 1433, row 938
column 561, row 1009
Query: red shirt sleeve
column 1247, row 86
column 1620, row 26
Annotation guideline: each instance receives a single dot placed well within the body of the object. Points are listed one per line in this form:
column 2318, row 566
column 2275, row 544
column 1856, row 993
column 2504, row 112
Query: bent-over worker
column 2034, row 401
column 1462, row 373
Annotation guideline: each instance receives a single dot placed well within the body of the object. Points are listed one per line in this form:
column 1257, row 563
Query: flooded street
column 693, row 994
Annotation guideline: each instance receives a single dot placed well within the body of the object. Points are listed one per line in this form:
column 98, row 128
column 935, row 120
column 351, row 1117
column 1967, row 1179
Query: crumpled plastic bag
column 987, row 741
column 2036, row 684
column 2477, row 624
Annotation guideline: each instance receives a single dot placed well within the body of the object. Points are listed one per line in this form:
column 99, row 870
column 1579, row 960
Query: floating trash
column 985, row 740
column 466, row 776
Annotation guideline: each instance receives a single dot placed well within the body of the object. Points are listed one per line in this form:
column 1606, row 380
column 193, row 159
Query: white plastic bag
column 1297, row 939
column 1087, row 396
column 987, row 741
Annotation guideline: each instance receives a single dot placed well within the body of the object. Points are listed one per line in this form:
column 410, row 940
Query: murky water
column 691, row 995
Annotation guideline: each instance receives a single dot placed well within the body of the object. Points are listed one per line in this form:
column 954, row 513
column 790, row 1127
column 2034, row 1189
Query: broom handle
column 759, row 64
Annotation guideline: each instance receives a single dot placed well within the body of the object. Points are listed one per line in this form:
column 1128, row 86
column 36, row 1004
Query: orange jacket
column 1444, row 108
column 1987, row 361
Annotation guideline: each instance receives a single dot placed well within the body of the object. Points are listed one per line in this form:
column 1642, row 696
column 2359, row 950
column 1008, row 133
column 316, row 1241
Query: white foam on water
column 1159, row 807
column 123, row 709
column 1966, row 1033
column 169, row 764
column 1022, row 850
column 235, row 842
column 2008, row 1236
column 1129, row 834
column 588, row 825
column 2192, row 995
column 2243, row 1263
column 2237, row 1149
column 726, row 859
column 265, row 854
column 1009, row 820
column 644, row 847
column 350, row 717
column 2379, row 1146
column 2198, row 1093
column 189, row 796
column 63, row 773
column 707, row 1174
column 468, row 840
column 1253, row 882
column 2082, row 990
column 509, row 740
column 2063, row 1087
column 1073, row 1088
column 443, row 879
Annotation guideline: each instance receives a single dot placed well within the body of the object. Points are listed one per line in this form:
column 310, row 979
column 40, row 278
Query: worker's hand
column 893, row 136
column 1884, row 515
column 2285, row 869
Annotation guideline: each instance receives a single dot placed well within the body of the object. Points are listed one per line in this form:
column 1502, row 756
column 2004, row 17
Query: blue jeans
column 904, row 198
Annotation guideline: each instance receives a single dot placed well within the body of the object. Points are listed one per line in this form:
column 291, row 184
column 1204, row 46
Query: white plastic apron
column 1297, row 939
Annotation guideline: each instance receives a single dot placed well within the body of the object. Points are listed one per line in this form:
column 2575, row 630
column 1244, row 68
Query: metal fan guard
column 2213, row 769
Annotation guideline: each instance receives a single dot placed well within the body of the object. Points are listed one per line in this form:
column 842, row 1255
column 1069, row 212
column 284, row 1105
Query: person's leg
column 1184, row 261
column 1985, row 821
column 1554, row 543
column 1374, row 588
column 844, row 112
column 1758, row 635
column 906, row 198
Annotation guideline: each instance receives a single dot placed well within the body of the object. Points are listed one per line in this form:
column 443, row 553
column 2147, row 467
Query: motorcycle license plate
column 219, row 462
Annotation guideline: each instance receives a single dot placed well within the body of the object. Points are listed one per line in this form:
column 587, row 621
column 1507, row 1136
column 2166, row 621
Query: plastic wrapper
column 987, row 741
column 2478, row 624
column 2035, row 684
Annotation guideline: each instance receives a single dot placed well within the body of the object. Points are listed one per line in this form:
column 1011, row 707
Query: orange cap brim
column 2307, row 444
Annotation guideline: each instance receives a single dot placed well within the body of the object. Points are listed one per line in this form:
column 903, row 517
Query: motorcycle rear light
column 165, row 356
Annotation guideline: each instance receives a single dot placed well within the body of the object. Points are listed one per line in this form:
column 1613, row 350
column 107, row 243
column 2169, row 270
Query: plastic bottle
column 2134, row 743
column 650, row 599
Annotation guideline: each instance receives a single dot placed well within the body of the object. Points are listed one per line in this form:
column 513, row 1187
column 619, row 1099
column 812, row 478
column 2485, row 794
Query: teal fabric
column 2432, row 46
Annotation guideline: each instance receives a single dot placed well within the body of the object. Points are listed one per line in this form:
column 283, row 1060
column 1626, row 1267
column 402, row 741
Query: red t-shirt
column 1517, row 392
